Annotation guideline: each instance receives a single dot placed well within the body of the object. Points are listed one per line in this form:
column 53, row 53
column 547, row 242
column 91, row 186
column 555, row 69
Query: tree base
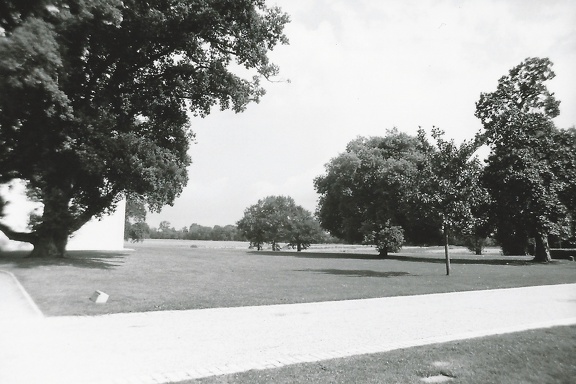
column 49, row 248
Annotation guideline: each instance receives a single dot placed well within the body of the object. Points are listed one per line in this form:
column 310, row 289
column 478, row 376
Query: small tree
column 450, row 184
column 137, row 232
column 135, row 227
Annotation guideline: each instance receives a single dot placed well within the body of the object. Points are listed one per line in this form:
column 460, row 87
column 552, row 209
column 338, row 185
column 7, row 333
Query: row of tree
column 387, row 190
column 273, row 220
column 136, row 229
column 196, row 232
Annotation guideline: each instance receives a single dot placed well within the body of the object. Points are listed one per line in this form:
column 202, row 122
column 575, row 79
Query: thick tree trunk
column 46, row 244
column 50, row 245
column 299, row 247
column 542, row 253
column 57, row 224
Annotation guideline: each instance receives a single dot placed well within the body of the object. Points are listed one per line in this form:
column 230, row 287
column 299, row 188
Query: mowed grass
column 172, row 275
column 544, row 356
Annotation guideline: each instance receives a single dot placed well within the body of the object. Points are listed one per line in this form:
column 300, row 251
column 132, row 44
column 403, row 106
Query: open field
column 166, row 275
column 544, row 356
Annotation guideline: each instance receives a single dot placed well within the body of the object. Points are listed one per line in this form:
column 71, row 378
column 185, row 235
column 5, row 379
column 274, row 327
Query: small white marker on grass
column 99, row 297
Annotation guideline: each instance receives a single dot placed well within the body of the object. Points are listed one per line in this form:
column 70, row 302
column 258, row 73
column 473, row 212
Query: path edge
column 24, row 293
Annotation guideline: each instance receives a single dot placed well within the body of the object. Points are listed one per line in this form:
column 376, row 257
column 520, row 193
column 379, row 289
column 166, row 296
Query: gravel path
column 160, row 347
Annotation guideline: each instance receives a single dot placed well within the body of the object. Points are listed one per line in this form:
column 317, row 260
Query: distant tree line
column 196, row 232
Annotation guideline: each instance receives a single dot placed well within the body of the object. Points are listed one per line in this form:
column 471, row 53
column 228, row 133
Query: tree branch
column 25, row 237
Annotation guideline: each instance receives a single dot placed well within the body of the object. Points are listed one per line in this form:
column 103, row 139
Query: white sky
column 358, row 68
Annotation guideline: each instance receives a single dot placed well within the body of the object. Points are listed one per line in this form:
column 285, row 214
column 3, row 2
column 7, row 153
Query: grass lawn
column 166, row 275
column 544, row 356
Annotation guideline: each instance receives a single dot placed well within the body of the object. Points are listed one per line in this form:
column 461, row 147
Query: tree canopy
column 276, row 219
column 530, row 169
column 449, row 186
column 95, row 97
column 368, row 188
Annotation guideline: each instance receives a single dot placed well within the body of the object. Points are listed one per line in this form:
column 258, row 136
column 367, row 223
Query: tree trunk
column 446, row 249
column 57, row 224
column 542, row 253
column 50, row 245
column 383, row 252
column 299, row 247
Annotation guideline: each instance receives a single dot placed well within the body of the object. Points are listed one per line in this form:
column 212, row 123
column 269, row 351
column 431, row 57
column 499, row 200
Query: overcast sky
column 357, row 68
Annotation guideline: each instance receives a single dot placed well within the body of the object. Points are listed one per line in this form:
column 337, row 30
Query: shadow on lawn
column 442, row 260
column 355, row 273
column 79, row 259
column 320, row 255
column 399, row 257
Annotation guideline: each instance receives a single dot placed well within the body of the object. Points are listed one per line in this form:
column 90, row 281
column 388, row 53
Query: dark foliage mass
column 369, row 188
column 530, row 173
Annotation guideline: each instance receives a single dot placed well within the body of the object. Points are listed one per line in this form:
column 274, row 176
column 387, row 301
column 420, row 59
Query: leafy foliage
column 135, row 227
column 276, row 219
column 303, row 230
column 531, row 165
column 368, row 188
column 196, row 232
column 386, row 239
column 95, row 97
column 450, row 184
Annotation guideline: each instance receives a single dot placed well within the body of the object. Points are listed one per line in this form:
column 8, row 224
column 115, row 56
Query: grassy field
column 543, row 356
column 165, row 275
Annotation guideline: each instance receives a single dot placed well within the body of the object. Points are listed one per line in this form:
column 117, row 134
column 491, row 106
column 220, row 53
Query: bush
column 388, row 239
column 476, row 244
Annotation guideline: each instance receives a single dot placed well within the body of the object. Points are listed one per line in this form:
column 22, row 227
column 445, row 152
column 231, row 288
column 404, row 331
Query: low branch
column 25, row 237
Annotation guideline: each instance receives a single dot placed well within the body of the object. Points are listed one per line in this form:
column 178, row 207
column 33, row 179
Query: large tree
column 533, row 195
column 95, row 97
column 367, row 188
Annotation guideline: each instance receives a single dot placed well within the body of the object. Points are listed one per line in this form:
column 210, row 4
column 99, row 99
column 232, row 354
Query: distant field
column 173, row 275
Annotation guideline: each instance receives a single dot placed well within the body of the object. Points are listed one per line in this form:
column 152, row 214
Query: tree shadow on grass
column 320, row 255
column 78, row 259
column 442, row 260
column 355, row 273
column 485, row 260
